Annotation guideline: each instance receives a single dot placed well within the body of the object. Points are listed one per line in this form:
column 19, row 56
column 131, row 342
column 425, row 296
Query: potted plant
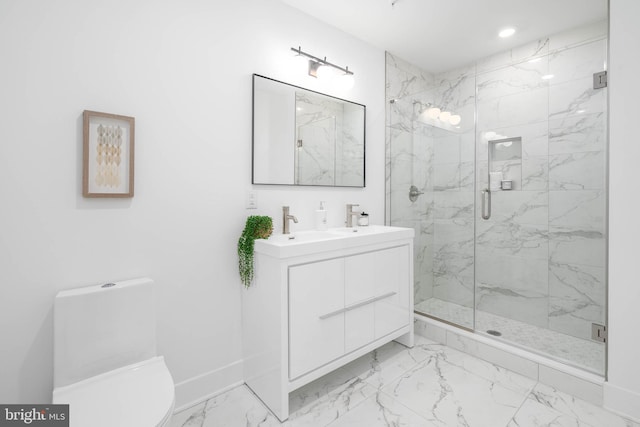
column 257, row 227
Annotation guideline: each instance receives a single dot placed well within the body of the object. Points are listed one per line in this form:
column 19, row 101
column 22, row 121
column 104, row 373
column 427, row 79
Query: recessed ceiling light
column 507, row 32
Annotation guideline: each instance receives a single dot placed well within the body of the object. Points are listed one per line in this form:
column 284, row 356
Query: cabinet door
column 392, row 310
column 316, row 315
column 359, row 287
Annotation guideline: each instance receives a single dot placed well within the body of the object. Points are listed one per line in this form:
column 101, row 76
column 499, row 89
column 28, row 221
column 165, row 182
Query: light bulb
column 325, row 73
column 433, row 112
column 444, row 116
column 455, row 119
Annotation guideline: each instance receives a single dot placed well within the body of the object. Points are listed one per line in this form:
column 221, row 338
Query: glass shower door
column 541, row 156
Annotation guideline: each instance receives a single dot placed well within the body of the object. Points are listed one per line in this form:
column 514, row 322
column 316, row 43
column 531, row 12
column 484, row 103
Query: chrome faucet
column 351, row 214
column 285, row 220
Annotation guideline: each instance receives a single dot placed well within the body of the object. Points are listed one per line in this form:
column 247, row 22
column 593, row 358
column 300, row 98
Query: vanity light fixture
column 325, row 70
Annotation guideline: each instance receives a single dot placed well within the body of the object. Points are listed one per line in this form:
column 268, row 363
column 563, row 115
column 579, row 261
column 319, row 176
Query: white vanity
column 322, row 300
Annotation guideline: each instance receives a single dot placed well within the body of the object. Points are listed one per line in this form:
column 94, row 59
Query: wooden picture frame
column 108, row 155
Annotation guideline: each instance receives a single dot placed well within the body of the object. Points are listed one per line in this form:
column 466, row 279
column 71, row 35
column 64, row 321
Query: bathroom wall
column 622, row 391
column 183, row 70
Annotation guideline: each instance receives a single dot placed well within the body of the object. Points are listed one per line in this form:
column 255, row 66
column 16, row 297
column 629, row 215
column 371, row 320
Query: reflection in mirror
column 301, row 137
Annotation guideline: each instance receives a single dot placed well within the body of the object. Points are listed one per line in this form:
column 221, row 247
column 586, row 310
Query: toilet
column 106, row 365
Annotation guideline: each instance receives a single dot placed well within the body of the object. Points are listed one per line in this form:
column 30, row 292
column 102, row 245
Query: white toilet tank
column 101, row 328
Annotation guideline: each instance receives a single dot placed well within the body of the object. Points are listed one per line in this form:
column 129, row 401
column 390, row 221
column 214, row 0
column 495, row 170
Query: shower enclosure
column 500, row 167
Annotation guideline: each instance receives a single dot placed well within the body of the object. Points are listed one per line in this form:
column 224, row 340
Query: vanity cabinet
column 307, row 315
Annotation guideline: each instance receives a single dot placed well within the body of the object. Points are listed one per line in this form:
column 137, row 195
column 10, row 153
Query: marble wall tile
column 576, row 298
column 575, row 246
column 400, row 115
column 577, row 134
column 521, row 207
column 454, row 287
column 496, row 238
column 578, row 62
column 453, row 263
column 512, row 79
column 453, row 236
column 446, row 148
column 583, row 209
column 524, row 306
column 446, row 176
column 467, row 174
column 423, row 262
column 517, row 109
column 511, row 170
column 453, row 205
column 576, row 97
column 535, row 173
column 577, row 171
column 467, row 146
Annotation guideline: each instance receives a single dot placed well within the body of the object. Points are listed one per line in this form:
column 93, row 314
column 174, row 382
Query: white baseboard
column 622, row 401
column 205, row 386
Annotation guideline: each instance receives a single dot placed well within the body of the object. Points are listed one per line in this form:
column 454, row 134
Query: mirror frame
column 253, row 135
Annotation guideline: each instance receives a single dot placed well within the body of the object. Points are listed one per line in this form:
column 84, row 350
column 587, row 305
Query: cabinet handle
column 356, row 305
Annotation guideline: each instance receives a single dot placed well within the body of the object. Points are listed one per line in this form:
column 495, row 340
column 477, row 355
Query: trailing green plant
column 257, row 227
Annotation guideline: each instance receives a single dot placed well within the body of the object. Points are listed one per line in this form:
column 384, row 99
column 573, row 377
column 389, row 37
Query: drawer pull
column 356, row 305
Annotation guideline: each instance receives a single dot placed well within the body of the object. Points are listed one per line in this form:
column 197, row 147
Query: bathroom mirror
column 302, row 137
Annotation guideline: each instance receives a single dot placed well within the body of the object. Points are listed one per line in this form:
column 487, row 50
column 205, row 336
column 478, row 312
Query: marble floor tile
column 448, row 395
column 428, row 385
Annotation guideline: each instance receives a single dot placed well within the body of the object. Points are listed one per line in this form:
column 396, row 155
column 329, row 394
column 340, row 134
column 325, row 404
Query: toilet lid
column 138, row 395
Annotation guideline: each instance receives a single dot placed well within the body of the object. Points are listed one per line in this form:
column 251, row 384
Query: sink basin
column 302, row 236
column 311, row 241
column 371, row 229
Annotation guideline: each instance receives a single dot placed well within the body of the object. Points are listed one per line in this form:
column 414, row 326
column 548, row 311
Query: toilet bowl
column 105, row 362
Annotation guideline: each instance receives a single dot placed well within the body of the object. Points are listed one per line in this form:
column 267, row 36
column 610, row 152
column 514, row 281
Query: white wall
column 622, row 391
column 183, row 70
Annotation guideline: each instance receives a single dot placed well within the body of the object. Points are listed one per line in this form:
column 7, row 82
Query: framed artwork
column 108, row 152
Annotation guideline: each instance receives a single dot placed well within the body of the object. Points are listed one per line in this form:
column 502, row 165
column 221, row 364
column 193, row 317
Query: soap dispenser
column 321, row 218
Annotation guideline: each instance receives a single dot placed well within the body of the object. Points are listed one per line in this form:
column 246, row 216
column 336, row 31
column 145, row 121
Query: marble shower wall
column 407, row 155
column 540, row 258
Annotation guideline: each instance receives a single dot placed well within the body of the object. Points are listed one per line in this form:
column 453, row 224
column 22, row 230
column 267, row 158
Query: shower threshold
column 581, row 353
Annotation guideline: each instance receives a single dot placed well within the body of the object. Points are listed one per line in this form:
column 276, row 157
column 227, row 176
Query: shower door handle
column 486, row 203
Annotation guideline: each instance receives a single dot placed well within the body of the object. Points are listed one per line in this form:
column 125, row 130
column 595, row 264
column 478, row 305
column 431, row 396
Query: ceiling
column 445, row 34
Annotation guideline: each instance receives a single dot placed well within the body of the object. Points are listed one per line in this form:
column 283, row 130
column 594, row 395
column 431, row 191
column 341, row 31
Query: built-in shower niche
column 505, row 164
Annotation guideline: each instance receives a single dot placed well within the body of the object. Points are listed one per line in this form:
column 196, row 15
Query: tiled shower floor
column 428, row 385
column 588, row 355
